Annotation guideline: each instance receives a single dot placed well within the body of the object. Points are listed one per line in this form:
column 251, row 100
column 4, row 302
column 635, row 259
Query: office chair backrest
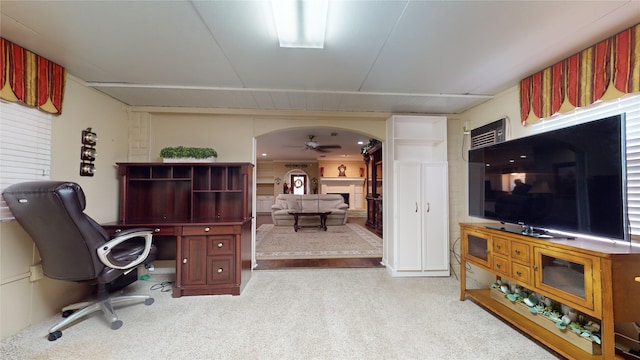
column 51, row 212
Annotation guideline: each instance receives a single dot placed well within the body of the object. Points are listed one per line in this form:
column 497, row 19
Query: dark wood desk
column 201, row 216
column 323, row 218
column 212, row 258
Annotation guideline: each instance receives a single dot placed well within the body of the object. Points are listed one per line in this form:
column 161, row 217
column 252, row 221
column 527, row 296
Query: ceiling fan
column 313, row 145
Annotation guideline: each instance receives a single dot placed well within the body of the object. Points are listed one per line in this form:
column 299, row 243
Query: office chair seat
column 74, row 247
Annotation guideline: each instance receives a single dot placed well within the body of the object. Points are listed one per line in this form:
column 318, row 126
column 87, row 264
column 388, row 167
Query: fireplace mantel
column 345, row 185
column 341, row 180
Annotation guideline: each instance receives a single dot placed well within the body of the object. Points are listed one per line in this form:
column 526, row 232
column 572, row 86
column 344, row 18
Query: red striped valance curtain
column 31, row 79
column 607, row 70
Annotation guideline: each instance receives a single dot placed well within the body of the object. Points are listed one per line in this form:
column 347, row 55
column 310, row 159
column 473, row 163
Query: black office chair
column 74, row 247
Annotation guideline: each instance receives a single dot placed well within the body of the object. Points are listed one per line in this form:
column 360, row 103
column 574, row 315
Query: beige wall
column 23, row 303
column 231, row 133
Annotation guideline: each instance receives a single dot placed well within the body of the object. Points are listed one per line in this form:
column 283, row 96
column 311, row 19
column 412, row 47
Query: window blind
column 25, row 147
column 630, row 105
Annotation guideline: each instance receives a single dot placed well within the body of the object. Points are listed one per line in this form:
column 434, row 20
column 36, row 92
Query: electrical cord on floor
column 457, row 257
column 163, row 286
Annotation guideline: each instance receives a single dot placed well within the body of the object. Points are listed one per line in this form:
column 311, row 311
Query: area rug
column 345, row 241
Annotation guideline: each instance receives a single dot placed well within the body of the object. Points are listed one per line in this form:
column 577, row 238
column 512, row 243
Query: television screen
column 572, row 179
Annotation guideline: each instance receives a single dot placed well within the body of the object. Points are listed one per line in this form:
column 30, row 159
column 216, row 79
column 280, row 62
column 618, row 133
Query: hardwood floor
column 316, row 263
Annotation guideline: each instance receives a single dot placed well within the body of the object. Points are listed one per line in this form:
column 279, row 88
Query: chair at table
column 74, row 247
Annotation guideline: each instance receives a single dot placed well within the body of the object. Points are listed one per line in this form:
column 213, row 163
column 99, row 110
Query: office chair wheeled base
column 106, row 306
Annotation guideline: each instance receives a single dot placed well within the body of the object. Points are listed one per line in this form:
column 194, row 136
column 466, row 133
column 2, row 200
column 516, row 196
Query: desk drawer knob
column 156, row 230
column 207, row 229
column 220, row 271
column 498, row 266
column 184, row 261
column 518, row 252
column 499, row 247
column 220, row 245
column 519, row 273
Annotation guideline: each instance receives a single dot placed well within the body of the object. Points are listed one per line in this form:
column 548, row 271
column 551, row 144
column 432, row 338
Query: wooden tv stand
column 608, row 290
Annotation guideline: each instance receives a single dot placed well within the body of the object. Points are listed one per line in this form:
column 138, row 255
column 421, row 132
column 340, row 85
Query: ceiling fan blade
column 319, row 149
column 329, row 147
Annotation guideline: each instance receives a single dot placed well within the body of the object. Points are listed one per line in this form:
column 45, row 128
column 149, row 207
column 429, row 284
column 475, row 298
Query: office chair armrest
column 104, row 250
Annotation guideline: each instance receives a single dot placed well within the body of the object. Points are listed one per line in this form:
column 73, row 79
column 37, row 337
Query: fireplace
column 351, row 189
column 345, row 196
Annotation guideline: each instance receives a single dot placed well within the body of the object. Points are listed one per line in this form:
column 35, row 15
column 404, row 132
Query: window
column 630, row 105
column 25, row 147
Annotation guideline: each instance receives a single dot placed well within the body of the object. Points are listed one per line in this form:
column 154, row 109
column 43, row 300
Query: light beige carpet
column 292, row 314
column 346, row 241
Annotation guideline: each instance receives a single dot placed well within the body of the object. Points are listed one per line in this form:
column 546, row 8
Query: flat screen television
column 572, row 180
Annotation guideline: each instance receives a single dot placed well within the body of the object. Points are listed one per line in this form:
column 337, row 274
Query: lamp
column 88, row 152
column 300, row 23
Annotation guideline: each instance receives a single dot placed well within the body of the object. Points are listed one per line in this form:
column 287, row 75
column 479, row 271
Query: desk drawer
column 207, row 230
column 162, row 230
column 220, row 270
column 220, row 244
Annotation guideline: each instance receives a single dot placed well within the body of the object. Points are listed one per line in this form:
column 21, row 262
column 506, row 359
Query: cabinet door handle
column 638, row 278
column 219, row 245
column 517, row 252
column 535, row 267
column 207, row 229
column 220, row 271
column 184, row 261
column 156, row 230
column 519, row 273
column 118, row 230
column 499, row 246
column 428, row 207
column 416, row 207
column 498, row 266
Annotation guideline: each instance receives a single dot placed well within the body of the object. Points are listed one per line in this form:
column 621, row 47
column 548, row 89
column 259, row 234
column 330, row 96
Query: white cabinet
column 421, row 218
column 263, row 203
column 416, row 211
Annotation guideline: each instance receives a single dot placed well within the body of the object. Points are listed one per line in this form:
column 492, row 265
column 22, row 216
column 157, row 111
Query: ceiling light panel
column 300, row 23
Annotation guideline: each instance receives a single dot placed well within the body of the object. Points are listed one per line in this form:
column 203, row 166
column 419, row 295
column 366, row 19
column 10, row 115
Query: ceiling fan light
column 300, row 23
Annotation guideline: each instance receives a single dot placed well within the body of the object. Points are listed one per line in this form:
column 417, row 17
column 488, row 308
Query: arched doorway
column 298, row 172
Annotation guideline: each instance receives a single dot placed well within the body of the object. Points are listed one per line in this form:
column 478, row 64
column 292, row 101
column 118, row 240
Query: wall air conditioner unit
column 491, row 133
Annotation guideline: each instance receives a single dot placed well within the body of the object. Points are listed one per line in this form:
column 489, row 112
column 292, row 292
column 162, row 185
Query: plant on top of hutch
column 183, row 153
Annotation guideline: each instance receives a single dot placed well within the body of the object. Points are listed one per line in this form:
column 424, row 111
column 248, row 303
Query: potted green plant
column 188, row 154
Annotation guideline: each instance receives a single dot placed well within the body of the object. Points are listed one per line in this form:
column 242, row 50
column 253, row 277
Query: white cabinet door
column 263, row 203
column 422, row 234
column 408, row 216
column 435, row 224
